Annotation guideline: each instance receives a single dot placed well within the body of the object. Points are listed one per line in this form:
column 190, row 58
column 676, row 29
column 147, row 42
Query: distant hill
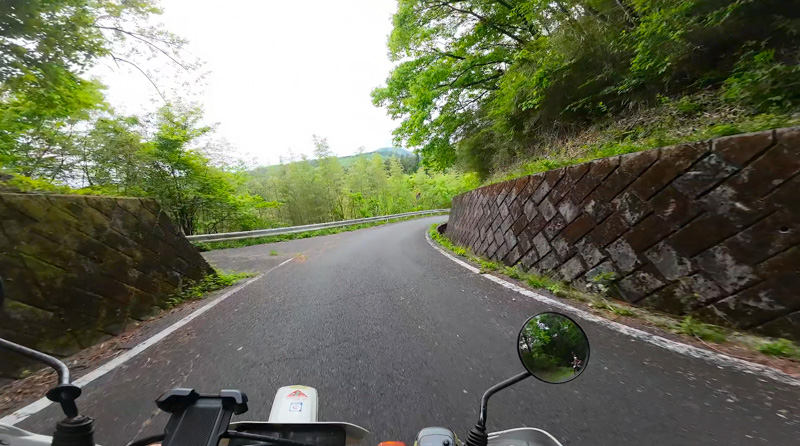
column 385, row 152
column 346, row 161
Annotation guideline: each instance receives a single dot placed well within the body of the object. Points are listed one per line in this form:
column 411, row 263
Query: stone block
column 768, row 171
column 684, row 295
column 720, row 265
column 568, row 210
column 597, row 210
column 536, row 225
column 704, row 175
column 563, row 249
column 547, row 263
column 510, row 238
column 504, row 211
column 505, row 225
column 672, row 162
column 673, row 207
column 541, row 191
column 529, row 259
column 639, row 284
column 577, row 229
column 598, row 171
column 554, row 227
column 571, row 176
column 669, row 263
column 519, row 225
column 647, row 233
column 524, row 240
column 513, row 256
column 729, row 202
column 624, row 257
column 756, row 305
column 547, row 209
column 775, row 233
column 502, row 251
column 631, row 166
column 603, row 268
column 701, row 234
column 498, row 237
column 571, row 269
column 609, row 230
column 589, row 252
column 785, row 263
column 632, row 208
column 491, row 249
column 541, row 244
column 739, row 149
column 530, row 210
column 787, row 327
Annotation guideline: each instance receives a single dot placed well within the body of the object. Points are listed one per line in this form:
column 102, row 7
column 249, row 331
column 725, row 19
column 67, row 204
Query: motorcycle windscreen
column 523, row 436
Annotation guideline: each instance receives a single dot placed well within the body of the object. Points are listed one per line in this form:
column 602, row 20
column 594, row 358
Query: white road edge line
column 715, row 358
column 85, row 380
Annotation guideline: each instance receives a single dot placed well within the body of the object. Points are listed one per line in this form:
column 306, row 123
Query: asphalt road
column 396, row 337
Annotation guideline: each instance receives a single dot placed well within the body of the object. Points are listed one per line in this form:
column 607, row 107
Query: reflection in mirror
column 553, row 347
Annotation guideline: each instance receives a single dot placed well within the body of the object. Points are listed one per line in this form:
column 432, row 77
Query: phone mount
column 199, row 420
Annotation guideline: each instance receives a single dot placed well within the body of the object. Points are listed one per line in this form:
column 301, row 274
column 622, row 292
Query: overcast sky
column 279, row 72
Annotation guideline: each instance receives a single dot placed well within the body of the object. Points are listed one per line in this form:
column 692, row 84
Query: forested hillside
column 58, row 133
column 487, row 85
column 482, row 89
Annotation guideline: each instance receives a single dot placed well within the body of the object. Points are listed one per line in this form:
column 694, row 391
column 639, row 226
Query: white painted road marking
column 715, row 358
column 83, row 381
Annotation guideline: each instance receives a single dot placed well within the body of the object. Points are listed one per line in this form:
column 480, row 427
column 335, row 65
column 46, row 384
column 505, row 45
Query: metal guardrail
column 305, row 228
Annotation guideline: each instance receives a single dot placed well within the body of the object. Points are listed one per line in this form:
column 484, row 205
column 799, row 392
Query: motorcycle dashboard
column 320, row 433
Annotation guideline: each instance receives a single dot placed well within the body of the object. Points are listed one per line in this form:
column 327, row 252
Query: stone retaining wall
column 710, row 228
column 78, row 269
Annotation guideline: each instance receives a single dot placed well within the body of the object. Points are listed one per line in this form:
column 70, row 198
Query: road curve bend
column 396, row 337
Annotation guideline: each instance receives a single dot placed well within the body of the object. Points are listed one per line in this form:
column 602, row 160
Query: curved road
column 395, row 337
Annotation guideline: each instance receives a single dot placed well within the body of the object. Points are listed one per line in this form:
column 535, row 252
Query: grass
column 686, row 119
column 599, row 301
column 692, row 327
column 272, row 252
column 208, row 246
column 782, row 348
column 209, row 283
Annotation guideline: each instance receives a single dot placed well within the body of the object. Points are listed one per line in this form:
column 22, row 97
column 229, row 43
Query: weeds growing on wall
column 211, row 282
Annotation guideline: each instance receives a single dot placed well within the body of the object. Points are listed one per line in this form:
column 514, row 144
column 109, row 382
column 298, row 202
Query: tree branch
column 484, row 20
column 139, row 37
column 117, row 59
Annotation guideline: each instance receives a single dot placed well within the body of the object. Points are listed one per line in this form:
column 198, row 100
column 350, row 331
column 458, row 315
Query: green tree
column 479, row 82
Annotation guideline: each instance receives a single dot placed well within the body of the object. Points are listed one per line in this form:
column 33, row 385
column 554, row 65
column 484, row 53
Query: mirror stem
column 60, row 367
column 494, row 389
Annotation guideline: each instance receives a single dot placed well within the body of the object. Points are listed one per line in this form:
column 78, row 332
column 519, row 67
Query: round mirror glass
column 553, row 347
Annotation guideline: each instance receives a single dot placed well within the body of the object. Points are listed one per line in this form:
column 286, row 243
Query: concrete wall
column 709, row 228
column 78, row 269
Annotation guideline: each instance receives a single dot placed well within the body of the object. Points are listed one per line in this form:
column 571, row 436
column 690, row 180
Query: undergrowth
column 692, row 327
column 781, row 347
column 208, row 246
column 598, row 298
column 211, row 282
column 686, row 119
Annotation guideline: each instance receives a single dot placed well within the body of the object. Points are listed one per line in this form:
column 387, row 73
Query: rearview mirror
column 553, row 348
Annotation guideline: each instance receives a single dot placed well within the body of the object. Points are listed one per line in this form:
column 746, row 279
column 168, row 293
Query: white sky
column 280, row 71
